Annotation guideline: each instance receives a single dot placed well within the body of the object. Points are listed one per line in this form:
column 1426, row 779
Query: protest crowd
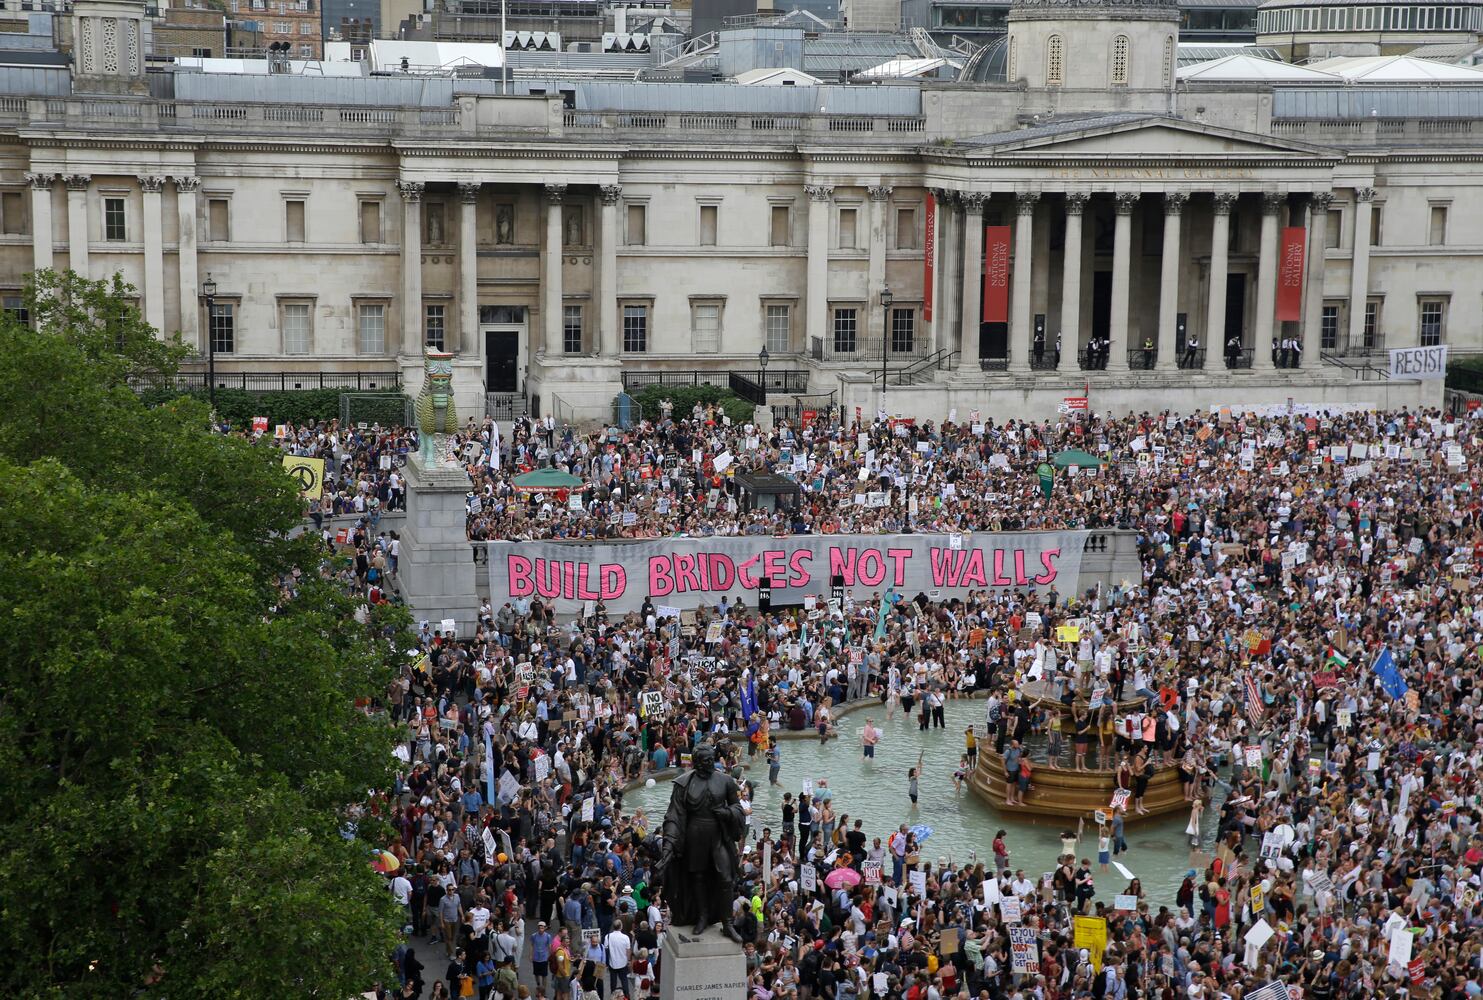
column 1303, row 645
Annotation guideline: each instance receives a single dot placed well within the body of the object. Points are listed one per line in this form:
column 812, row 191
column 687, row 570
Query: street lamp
column 762, row 359
column 886, row 299
column 208, row 292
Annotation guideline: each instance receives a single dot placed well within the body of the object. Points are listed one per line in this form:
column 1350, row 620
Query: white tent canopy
column 1247, row 67
column 386, row 55
column 1396, row 69
column 903, row 69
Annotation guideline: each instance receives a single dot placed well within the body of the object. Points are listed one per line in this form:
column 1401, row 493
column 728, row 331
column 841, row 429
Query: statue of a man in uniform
column 698, row 857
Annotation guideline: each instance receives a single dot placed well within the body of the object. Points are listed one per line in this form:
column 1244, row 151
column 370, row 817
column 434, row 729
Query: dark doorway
column 1236, row 307
column 993, row 341
column 1101, row 304
column 502, row 352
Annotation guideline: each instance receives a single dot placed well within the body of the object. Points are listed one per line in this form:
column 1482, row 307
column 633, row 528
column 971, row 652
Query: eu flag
column 1389, row 674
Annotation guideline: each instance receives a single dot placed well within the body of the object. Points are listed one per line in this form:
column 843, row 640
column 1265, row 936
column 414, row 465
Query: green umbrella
column 1076, row 457
column 547, row 479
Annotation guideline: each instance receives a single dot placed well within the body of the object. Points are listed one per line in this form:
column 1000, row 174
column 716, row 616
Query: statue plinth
column 708, row 967
column 436, row 568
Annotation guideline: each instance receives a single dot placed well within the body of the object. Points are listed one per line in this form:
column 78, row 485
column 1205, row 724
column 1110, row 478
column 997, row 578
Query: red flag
column 929, row 258
column 1290, row 275
column 996, row 274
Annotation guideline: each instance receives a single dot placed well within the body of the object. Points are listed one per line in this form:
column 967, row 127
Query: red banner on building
column 1290, row 274
column 929, row 258
column 996, row 274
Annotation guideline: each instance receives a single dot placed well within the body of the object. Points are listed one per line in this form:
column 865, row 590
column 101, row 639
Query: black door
column 1101, row 305
column 1236, row 307
column 993, row 341
column 502, row 351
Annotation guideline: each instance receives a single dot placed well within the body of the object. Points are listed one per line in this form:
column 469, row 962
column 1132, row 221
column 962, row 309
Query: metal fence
column 504, row 405
column 287, row 381
column 778, row 380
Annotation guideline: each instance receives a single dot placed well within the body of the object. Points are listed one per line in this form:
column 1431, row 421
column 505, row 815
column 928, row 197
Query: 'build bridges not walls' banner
column 687, row 572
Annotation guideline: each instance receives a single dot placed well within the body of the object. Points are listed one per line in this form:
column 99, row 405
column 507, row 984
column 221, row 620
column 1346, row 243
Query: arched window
column 1012, row 74
column 1120, row 61
column 1054, row 61
column 1169, row 61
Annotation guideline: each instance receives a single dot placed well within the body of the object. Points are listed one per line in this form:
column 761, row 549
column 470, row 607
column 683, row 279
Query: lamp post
column 886, row 299
column 208, row 292
column 762, row 359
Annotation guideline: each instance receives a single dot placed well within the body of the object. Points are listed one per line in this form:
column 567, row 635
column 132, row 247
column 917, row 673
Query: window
column 571, row 329
column 295, row 320
column 1372, row 323
column 635, row 329
column 847, row 228
column 15, row 307
column 283, row 27
column 434, row 326
column 1437, row 233
column 638, row 225
column 1433, row 326
column 1335, row 231
column 217, row 220
column 371, row 328
column 306, row 51
column 781, row 226
column 779, row 329
column 903, row 330
column 705, row 327
column 221, row 326
column 1328, row 328
column 306, row 28
column 906, row 229
column 709, row 216
column 1055, row 58
column 432, row 223
column 370, row 222
column 1375, row 214
column 293, row 216
column 1120, row 61
column 201, row 53
column 13, row 213
column 113, row 220
column 1168, row 60
column 844, row 331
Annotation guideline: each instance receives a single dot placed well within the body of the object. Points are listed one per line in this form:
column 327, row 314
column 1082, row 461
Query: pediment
column 1160, row 138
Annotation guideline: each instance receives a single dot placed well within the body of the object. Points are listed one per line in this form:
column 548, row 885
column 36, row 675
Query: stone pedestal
column 436, row 570
column 708, row 967
column 762, row 417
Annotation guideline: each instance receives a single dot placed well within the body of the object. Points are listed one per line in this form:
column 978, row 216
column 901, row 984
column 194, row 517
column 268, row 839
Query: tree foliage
column 179, row 741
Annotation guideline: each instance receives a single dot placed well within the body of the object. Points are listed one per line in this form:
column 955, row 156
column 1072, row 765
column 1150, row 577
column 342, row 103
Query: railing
column 787, row 380
column 1236, row 360
column 1372, row 344
column 1142, row 359
column 923, row 370
column 1363, row 371
column 993, row 364
column 822, row 404
column 1091, row 360
column 504, row 405
column 749, row 389
column 1463, row 379
column 289, row 381
column 1191, row 359
column 1043, row 360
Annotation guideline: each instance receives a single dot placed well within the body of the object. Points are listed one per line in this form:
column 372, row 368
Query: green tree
column 184, row 763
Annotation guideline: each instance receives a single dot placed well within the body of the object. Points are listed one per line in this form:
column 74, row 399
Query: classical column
column 77, row 222
column 1318, row 237
column 607, row 272
column 1359, row 275
column 154, row 253
column 949, row 250
column 1220, row 248
column 190, row 311
column 973, row 271
column 411, row 339
column 41, row 221
column 1024, row 265
column 1070, row 332
column 876, row 272
column 466, row 339
column 1122, row 238
column 1169, row 278
column 551, row 286
column 1266, row 282
column 816, row 323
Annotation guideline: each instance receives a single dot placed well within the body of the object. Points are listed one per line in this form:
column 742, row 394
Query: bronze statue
column 437, row 418
column 698, row 858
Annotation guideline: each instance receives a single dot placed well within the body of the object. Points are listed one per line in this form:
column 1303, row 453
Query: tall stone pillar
column 1318, row 238
column 551, row 272
column 41, row 220
column 1359, row 276
column 816, row 302
column 876, row 271
column 1070, row 331
column 411, row 330
column 1021, row 281
column 154, row 252
column 973, row 272
column 1266, row 283
column 1174, row 202
column 607, row 273
column 1220, row 250
column 77, row 222
column 466, row 340
column 1122, row 240
column 190, row 310
column 949, row 253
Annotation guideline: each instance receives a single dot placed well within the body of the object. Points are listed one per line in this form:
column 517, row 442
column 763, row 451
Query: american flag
column 1255, row 710
column 1275, row 990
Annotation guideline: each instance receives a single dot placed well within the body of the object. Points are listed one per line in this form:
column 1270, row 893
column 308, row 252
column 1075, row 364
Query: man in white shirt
column 617, row 946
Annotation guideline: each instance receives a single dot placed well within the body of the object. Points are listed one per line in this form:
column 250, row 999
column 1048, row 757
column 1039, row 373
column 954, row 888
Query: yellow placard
column 1091, row 933
column 309, row 472
column 1258, row 903
column 1068, row 633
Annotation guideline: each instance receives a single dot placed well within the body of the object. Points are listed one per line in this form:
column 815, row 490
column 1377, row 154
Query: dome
column 988, row 64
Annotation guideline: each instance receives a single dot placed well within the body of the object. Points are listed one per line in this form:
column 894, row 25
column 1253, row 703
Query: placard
column 808, row 878
column 1024, row 951
column 917, row 880
column 1010, row 910
column 1123, row 901
column 870, row 872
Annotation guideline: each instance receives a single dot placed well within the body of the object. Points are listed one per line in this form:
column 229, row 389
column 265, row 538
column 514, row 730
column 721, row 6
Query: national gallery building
column 1073, row 213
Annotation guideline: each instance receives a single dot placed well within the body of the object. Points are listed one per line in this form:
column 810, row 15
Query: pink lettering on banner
column 661, row 577
column 965, row 568
column 613, row 581
column 568, row 579
column 898, row 559
column 723, row 572
column 798, row 563
column 518, row 568
column 1048, row 560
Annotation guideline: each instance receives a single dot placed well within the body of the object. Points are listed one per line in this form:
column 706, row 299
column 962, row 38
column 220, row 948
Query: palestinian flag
column 1335, row 659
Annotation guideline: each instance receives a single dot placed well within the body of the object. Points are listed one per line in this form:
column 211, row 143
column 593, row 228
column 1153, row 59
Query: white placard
column 808, row 878
column 1010, row 910
column 1419, row 363
column 1123, row 901
column 918, row 882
